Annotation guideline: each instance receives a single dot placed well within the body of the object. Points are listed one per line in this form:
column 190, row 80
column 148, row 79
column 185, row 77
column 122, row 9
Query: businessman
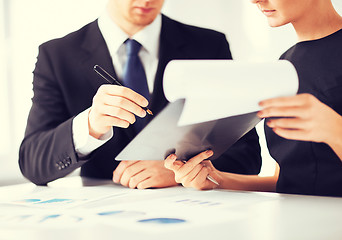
column 76, row 120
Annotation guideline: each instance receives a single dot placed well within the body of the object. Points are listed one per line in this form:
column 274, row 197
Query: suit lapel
column 96, row 52
column 171, row 45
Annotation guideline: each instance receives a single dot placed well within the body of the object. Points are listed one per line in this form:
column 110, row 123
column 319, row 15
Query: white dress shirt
column 115, row 37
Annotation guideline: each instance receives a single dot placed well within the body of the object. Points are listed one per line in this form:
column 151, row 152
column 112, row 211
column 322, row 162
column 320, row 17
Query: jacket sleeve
column 47, row 150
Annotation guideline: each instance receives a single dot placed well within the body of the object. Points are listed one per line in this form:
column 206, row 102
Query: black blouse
column 309, row 167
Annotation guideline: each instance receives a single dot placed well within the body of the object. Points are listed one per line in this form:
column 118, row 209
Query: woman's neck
column 321, row 22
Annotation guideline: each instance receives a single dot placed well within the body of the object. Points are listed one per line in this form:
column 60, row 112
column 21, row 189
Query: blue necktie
column 134, row 75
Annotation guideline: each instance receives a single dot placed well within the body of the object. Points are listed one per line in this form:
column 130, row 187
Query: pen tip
column 149, row 111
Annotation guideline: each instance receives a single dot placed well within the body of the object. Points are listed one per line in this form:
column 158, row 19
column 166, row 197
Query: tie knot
column 132, row 47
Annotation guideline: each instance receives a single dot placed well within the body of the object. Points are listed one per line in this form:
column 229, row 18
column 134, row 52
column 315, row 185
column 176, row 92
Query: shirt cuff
column 83, row 142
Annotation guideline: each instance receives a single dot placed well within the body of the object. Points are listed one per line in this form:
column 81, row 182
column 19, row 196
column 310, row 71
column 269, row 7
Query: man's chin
column 143, row 19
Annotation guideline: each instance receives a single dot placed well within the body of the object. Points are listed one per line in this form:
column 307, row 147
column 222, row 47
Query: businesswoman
column 303, row 132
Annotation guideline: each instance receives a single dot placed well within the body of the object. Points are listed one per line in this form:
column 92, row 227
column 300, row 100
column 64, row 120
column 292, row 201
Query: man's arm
column 47, row 151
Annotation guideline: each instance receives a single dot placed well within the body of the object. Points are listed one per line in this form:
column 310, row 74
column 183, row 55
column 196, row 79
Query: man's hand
column 143, row 174
column 114, row 106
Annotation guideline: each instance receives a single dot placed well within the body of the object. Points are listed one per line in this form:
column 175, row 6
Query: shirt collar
column 114, row 36
column 149, row 36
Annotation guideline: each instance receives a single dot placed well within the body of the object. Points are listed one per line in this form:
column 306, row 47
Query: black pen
column 110, row 79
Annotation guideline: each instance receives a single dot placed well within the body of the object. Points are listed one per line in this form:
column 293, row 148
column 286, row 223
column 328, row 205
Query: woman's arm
column 250, row 182
column 194, row 174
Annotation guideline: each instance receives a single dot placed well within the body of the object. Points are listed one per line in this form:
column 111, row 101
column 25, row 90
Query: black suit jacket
column 64, row 84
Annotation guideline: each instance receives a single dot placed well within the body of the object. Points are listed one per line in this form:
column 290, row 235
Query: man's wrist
column 85, row 143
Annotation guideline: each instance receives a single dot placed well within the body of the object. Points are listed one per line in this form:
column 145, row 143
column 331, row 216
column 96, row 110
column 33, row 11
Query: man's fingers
column 124, row 92
column 117, row 174
column 100, row 124
column 131, row 171
column 117, row 112
column 114, row 106
column 138, row 178
column 147, row 183
column 113, row 121
column 123, row 103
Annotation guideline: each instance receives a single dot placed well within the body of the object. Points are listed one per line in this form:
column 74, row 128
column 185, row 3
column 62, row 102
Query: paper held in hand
column 216, row 89
column 213, row 103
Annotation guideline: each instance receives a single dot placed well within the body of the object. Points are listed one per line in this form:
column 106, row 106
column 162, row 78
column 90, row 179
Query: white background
column 26, row 24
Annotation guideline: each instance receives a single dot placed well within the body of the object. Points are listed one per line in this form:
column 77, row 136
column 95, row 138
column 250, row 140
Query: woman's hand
column 302, row 117
column 194, row 172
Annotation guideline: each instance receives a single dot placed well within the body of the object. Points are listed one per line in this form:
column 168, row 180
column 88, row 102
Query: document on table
column 151, row 210
column 213, row 103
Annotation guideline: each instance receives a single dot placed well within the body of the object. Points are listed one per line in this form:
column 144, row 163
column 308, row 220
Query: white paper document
column 213, row 103
column 215, row 89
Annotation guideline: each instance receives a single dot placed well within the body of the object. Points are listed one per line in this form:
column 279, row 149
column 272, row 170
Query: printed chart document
column 213, row 103
column 151, row 210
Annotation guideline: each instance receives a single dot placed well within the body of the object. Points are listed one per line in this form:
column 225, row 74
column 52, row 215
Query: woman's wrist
column 243, row 182
column 230, row 181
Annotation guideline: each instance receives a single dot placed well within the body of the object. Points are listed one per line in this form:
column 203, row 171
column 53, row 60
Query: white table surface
column 208, row 214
